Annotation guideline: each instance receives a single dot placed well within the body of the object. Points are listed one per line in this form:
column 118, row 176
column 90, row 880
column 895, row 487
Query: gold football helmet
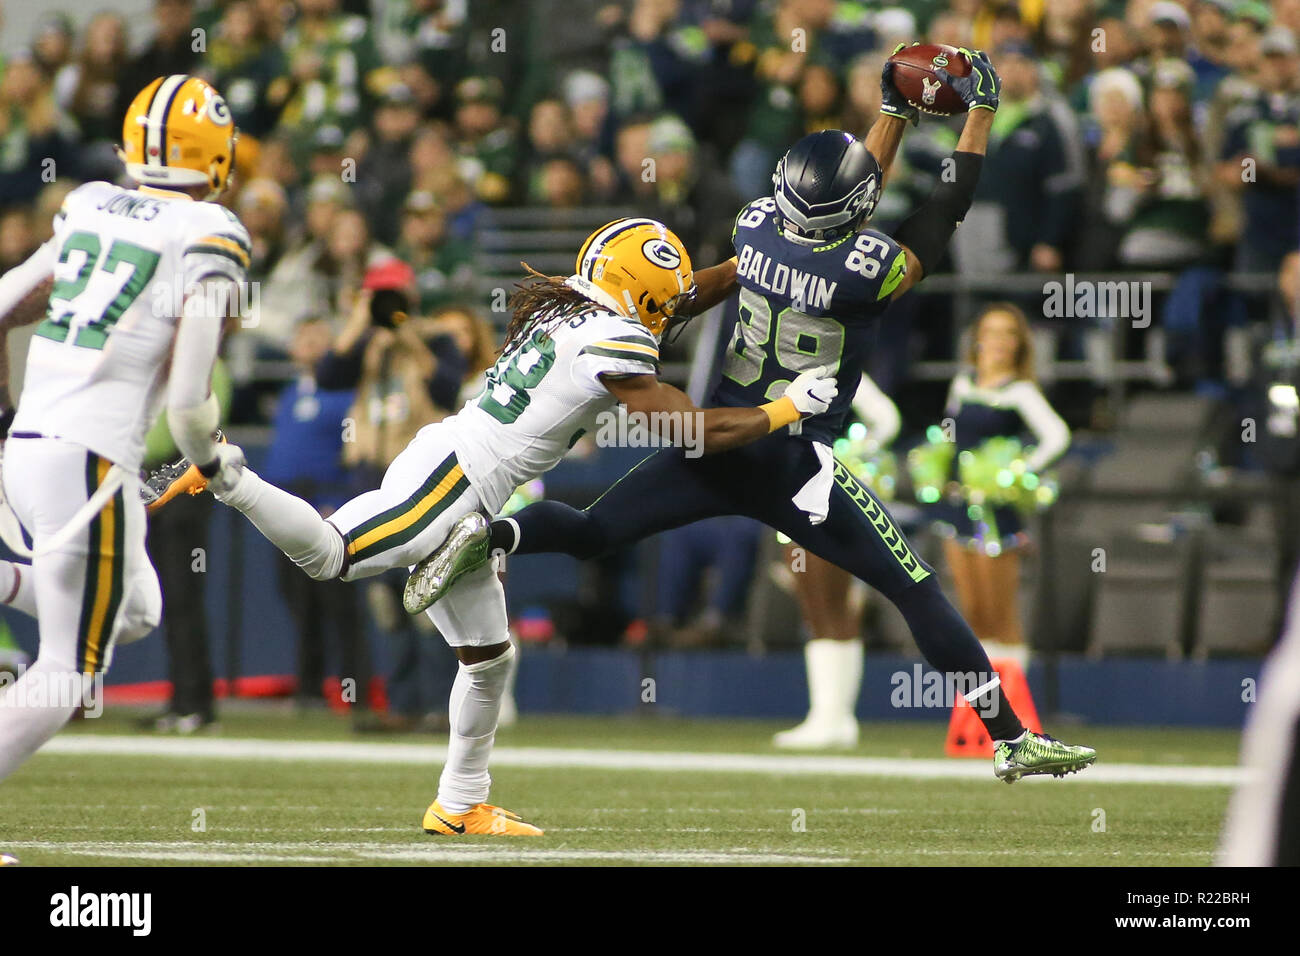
column 637, row 268
column 178, row 132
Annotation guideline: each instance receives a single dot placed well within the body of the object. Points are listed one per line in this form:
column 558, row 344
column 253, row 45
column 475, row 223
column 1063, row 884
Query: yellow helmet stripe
column 155, row 142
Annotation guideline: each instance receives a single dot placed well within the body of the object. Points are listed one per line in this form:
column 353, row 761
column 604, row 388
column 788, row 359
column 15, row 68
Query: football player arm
column 24, row 294
column 924, row 235
column 883, row 139
column 712, row 285
column 193, row 411
column 718, row 429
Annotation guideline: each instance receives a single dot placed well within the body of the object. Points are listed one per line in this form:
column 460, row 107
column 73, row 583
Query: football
column 915, row 79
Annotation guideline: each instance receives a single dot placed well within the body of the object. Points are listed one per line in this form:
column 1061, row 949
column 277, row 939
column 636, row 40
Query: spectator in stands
column 476, row 340
column 48, row 203
column 1115, row 122
column 87, row 89
column 1156, row 180
column 53, row 42
column 384, row 171
column 586, row 95
column 178, row 548
column 1261, row 158
column 322, row 271
column 550, row 136
column 248, row 68
column 996, row 396
column 262, row 208
column 485, row 138
column 331, row 59
column 37, row 142
column 172, row 50
column 306, row 457
column 1027, row 199
column 442, row 264
column 705, row 572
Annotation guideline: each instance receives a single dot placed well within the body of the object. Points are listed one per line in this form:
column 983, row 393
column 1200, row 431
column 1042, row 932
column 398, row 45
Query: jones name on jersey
column 98, row 363
column 802, row 306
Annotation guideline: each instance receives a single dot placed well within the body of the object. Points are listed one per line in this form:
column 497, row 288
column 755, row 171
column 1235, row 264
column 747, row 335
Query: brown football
column 915, row 79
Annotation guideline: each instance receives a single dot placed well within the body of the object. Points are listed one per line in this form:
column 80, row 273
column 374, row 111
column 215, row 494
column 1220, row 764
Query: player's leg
column 423, row 491
column 833, row 657
column 472, row 619
column 17, row 587
column 860, row 536
column 665, row 490
column 961, row 561
column 95, row 591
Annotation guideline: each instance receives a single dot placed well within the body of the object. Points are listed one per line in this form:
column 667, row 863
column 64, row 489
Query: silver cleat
column 466, row 549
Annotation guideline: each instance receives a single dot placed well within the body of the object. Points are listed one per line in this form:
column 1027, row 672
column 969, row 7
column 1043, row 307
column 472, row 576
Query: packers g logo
column 217, row 111
column 661, row 253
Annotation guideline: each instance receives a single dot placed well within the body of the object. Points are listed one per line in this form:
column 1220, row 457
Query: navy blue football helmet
column 826, row 186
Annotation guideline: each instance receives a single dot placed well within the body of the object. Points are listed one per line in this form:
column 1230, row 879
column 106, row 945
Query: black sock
column 950, row 646
column 502, row 537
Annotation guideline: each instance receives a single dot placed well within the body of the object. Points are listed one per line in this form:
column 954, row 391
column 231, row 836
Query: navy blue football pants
column 758, row 480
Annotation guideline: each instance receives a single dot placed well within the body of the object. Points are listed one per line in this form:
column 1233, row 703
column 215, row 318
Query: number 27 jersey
column 804, row 306
column 98, row 363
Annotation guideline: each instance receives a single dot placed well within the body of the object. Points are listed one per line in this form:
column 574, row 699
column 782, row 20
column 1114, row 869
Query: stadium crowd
column 376, row 135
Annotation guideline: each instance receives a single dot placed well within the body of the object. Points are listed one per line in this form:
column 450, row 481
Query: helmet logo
column 218, row 111
column 661, row 253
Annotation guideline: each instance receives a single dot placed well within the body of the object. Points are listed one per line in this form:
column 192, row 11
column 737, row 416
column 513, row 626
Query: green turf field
column 274, row 787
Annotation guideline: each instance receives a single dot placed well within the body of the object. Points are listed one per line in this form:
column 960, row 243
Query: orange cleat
column 480, row 820
column 167, row 481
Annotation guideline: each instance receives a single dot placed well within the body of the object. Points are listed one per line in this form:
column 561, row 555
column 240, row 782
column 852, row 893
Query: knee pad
column 142, row 609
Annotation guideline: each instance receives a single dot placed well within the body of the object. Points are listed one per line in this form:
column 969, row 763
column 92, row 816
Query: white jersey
column 542, row 395
column 98, row 363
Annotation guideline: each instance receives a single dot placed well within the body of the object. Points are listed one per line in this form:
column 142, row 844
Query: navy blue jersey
column 802, row 306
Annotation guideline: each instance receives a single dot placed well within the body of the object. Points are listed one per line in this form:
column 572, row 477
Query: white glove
column 230, row 465
column 812, row 393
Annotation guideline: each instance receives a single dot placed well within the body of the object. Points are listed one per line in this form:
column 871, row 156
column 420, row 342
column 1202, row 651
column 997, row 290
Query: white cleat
column 819, row 734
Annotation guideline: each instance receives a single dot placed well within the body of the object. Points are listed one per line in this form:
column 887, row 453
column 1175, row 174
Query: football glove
column 892, row 102
column 812, row 391
column 979, row 88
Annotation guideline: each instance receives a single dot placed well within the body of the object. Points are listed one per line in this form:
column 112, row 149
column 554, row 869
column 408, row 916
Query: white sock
column 473, row 711
column 834, row 678
column 17, row 588
column 29, row 714
column 289, row 523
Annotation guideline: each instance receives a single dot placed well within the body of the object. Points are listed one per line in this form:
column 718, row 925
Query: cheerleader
column 996, row 396
column 833, row 652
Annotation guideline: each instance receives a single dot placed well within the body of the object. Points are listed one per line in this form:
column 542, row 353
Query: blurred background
column 406, row 155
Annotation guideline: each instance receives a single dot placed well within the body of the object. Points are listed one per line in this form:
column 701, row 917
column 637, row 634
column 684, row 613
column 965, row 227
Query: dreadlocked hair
column 541, row 301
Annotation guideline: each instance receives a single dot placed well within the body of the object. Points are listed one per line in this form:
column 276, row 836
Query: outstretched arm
column 718, row 429
column 924, row 235
column 713, row 285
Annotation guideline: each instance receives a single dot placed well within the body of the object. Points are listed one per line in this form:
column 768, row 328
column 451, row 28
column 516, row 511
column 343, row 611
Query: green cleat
column 1039, row 753
column 465, row 550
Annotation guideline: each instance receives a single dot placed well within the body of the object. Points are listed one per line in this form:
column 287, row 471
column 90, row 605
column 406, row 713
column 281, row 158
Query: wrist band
column 781, row 413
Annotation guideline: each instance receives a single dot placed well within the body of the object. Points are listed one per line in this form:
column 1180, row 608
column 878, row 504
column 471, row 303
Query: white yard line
column 335, row 751
column 227, row 852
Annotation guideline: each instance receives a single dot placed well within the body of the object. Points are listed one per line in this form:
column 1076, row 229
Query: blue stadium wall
column 243, row 601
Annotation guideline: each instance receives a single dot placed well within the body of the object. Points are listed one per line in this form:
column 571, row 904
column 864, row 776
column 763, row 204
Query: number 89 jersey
column 126, row 258
column 802, row 306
